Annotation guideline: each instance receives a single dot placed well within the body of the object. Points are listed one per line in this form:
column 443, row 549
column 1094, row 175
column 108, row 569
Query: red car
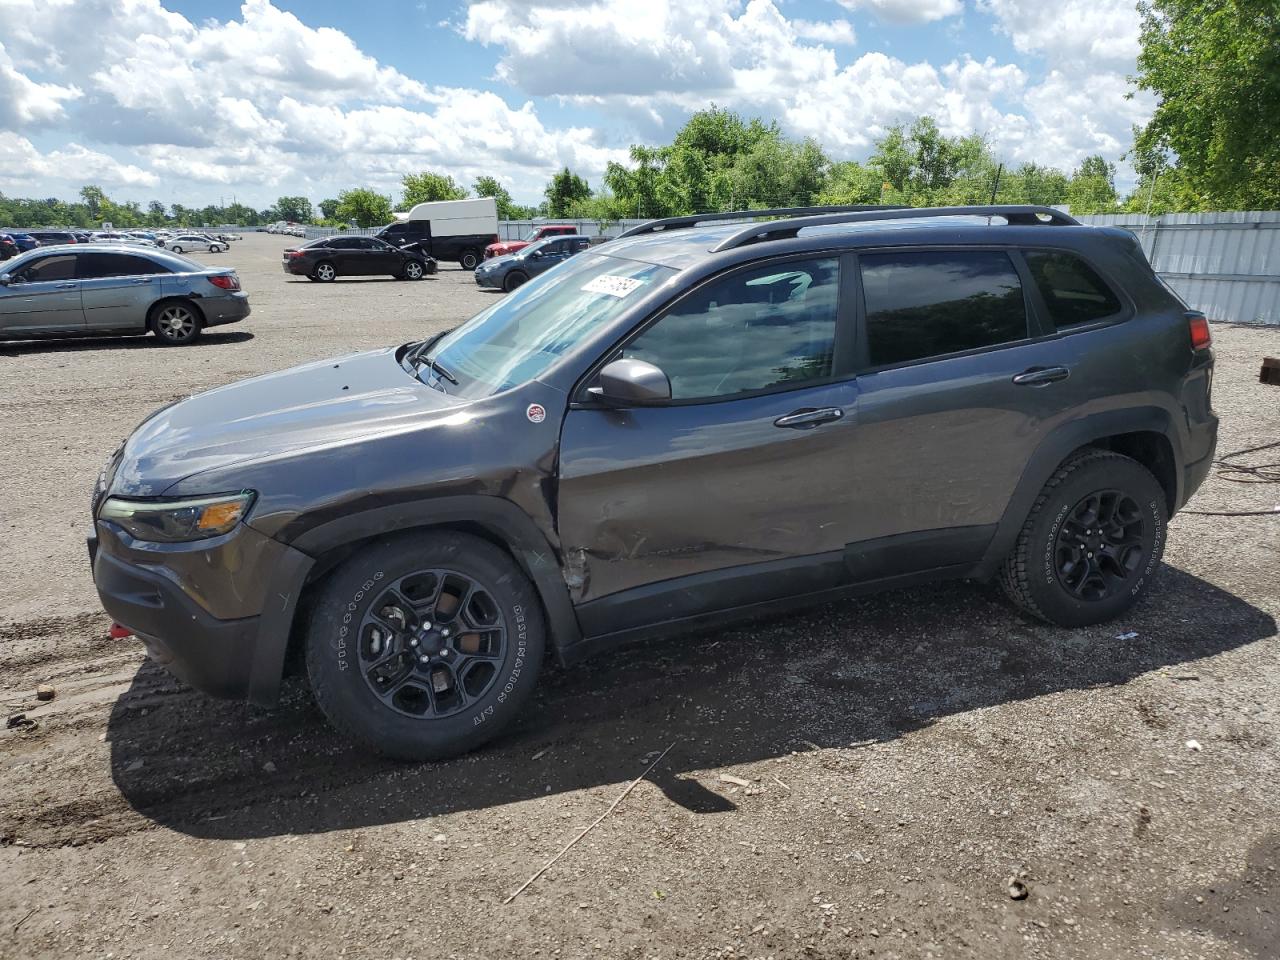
column 504, row 247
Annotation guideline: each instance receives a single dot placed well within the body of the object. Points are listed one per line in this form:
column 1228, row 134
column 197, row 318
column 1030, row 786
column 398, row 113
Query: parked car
column 185, row 242
column 23, row 240
column 503, row 247
column 108, row 288
column 512, row 270
column 331, row 257
column 8, row 247
column 50, row 237
column 696, row 422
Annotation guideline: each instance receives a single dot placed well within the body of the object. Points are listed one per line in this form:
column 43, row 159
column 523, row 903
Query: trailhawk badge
column 536, row 413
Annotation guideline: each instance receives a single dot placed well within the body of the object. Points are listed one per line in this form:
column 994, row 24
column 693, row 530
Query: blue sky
column 187, row 101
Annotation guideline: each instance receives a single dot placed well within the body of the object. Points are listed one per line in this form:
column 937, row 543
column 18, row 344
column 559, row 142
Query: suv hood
column 313, row 405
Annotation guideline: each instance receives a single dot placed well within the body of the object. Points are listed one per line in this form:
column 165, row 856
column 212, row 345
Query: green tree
column 1214, row 66
column 328, row 209
column 429, row 186
column 508, row 209
column 565, row 189
column 297, row 209
column 1093, row 187
column 366, row 207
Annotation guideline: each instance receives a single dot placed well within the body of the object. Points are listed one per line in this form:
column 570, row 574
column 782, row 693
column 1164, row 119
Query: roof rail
column 1015, row 214
column 674, row 223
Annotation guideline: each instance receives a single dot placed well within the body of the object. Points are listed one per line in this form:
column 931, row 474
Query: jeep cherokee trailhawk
column 697, row 421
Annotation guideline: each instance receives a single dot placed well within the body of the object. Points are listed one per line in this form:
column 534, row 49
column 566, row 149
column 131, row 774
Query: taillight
column 227, row 281
column 1198, row 325
column 293, row 254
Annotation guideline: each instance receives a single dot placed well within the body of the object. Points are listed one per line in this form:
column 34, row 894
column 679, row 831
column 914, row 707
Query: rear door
column 42, row 296
column 958, row 387
column 117, row 289
column 740, row 485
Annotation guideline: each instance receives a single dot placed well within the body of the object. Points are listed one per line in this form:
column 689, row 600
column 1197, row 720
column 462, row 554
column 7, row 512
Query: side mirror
column 630, row 383
column 6, row 279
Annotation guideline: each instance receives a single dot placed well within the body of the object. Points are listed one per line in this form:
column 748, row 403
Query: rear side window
column 754, row 330
column 96, row 265
column 928, row 304
column 1072, row 290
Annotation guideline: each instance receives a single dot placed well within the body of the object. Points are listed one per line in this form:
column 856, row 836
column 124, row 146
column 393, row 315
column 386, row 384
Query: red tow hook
column 119, row 633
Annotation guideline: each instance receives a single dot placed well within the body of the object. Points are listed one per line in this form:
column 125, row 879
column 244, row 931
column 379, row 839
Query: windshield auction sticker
column 612, row 286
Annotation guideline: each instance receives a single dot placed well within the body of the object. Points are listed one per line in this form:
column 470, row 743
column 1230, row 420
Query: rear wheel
column 513, row 279
column 1092, row 543
column 469, row 259
column 324, row 272
column 425, row 646
column 175, row 323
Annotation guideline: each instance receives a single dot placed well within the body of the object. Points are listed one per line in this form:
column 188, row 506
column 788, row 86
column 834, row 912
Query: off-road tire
column 334, row 652
column 1030, row 575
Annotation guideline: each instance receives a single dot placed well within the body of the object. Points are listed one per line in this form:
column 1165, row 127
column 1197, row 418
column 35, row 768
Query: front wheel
column 413, row 270
column 177, row 249
column 513, row 279
column 424, row 646
column 1092, row 543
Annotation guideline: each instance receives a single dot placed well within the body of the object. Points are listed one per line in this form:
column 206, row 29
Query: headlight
column 176, row 521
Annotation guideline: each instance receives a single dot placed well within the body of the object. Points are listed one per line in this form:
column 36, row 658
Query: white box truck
column 457, row 230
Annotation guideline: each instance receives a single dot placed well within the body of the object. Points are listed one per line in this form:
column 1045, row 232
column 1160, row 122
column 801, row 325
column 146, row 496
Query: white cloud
column 1078, row 32
column 833, row 32
column 907, row 11
column 73, row 164
column 26, row 103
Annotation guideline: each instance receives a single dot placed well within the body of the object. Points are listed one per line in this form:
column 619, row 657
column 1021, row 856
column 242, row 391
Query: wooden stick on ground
column 600, row 819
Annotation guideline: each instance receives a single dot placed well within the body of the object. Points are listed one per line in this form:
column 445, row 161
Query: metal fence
column 1225, row 264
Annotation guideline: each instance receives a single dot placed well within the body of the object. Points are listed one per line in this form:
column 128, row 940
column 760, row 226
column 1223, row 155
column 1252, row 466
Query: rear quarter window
column 1073, row 291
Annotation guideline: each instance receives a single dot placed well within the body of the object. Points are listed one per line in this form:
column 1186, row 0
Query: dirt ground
column 903, row 756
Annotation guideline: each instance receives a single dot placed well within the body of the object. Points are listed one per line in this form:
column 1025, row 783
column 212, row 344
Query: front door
column 42, row 297
column 735, row 491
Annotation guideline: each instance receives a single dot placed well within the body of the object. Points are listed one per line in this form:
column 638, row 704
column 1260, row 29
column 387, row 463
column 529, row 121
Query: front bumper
column 215, row 613
column 492, row 280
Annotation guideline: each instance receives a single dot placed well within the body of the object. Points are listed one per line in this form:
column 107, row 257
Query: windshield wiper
column 433, row 364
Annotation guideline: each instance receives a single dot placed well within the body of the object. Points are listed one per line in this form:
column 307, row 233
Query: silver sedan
column 105, row 288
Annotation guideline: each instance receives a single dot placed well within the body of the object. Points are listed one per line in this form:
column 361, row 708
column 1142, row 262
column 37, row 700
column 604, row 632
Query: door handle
column 142, row 280
column 808, row 418
column 67, row 286
column 1041, row 376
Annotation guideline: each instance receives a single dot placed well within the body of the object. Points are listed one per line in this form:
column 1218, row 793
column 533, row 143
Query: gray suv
column 108, row 288
column 696, row 422
column 515, row 269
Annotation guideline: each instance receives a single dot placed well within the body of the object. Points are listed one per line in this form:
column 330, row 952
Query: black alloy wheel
column 1100, row 545
column 431, row 643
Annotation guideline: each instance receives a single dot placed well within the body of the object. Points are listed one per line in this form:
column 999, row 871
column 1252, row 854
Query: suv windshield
column 524, row 333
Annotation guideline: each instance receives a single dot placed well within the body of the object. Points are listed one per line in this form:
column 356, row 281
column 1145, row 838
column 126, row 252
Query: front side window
column 49, row 268
column 1072, row 290
column 929, row 304
column 757, row 329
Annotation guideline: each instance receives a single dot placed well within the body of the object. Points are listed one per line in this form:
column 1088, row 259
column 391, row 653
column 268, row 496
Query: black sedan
column 328, row 258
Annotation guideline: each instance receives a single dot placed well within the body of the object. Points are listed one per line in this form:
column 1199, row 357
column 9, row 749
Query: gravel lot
column 895, row 760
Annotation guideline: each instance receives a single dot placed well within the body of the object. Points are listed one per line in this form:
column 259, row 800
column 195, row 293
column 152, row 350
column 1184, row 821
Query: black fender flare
column 501, row 518
column 1054, row 449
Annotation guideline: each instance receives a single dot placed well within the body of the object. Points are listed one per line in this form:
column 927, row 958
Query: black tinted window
column 116, row 265
column 753, row 330
column 928, row 304
column 344, row 243
column 1072, row 290
column 50, row 268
